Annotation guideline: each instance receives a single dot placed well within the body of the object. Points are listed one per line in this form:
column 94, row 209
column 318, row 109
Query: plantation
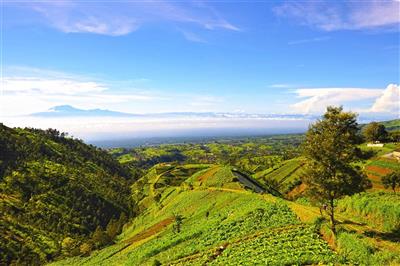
column 215, row 218
column 283, row 177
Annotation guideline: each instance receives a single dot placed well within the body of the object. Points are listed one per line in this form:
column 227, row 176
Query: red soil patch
column 150, row 231
column 379, row 170
column 374, row 177
column 297, row 191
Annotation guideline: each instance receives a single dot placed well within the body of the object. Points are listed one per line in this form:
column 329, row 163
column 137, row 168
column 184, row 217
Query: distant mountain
column 68, row 110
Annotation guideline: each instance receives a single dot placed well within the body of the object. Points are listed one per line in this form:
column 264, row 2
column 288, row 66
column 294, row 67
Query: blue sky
column 217, row 56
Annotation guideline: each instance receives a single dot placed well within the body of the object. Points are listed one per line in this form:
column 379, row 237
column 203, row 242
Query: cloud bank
column 124, row 17
column 389, row 101
column 317, row 99
column 352, row 15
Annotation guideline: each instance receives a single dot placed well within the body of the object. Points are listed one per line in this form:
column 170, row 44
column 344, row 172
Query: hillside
column 209, row 217
column 202, row 215
column 219, row 203
column 392, row 125
column 54, row 192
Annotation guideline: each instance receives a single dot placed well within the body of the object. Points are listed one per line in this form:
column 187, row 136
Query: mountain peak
column 60, row 108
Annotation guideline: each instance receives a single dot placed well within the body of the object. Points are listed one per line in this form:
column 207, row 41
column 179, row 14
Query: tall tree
column 375, row 132
column 392, row 180
column 330, row 147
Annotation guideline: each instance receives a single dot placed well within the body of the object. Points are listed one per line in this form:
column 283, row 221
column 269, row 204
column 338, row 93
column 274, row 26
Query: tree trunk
column 332, row 216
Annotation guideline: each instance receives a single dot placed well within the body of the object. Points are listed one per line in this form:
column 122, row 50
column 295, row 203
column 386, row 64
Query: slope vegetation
column 208, row 216
column 52, row 188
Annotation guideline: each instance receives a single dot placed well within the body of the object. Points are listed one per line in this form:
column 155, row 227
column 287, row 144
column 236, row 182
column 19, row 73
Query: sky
column 252, row 57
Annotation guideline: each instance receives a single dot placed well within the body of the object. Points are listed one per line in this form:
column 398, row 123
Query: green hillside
column 54, row 189
column 211, row 218
column 392, row 124
column 207, row 217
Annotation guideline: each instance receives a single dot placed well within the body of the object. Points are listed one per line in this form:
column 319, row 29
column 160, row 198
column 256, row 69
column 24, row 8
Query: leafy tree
column 156, row 263
column 101, row 238
column 392, row 180
column 394, row 136
column 68, row 244
column 54, row 186
column 375, row 132
column 86, row 248
column 330, row 147
column 178, row 223
column 113, row 228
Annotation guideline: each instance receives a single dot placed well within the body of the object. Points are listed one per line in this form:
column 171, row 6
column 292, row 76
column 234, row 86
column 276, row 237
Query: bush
column 356, row 250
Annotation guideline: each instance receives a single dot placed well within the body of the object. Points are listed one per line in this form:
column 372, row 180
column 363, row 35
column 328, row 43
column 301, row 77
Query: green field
column 225, row 224
column 212, row 219
column 283, row 177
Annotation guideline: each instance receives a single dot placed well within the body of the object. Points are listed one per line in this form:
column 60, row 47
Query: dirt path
column 147, row 233
column 158, row 227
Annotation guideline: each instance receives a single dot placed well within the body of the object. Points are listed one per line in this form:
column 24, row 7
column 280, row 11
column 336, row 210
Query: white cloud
column 317, row 99
column 316, row 39
column 112, row 27
column 35, row 85
column 124, row 17
column 24, row 95
column 389, row 101
column 193, row 37
column 114, row 128
column 27, row 90
column 353, row 15
column 281, row 85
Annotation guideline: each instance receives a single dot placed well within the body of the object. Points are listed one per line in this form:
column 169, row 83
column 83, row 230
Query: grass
column 379, row 151
column 378, row 209
column 356, row 250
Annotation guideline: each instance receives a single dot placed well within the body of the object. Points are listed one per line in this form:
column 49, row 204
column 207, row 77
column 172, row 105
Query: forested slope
column 54, row 192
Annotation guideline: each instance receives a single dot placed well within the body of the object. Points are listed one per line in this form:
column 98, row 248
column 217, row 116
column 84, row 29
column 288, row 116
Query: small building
column 375, row 145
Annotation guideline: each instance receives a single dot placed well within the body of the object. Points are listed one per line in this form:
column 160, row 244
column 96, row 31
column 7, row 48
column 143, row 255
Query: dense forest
column 57, row 196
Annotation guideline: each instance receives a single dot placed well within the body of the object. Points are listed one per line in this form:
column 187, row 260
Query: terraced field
column 214, row 214
column 284, row 177
column 288, row 245
column 379, row 167
column 224, row 225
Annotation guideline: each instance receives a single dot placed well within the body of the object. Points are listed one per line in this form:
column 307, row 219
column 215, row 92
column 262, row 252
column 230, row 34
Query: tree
column 394, row 136
column 375, row 132
column 392, row 180
column 113, row 228
column 67, row 245
column 178, row 223
column 100, row 238
column 86, row 248
column 330, row 147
